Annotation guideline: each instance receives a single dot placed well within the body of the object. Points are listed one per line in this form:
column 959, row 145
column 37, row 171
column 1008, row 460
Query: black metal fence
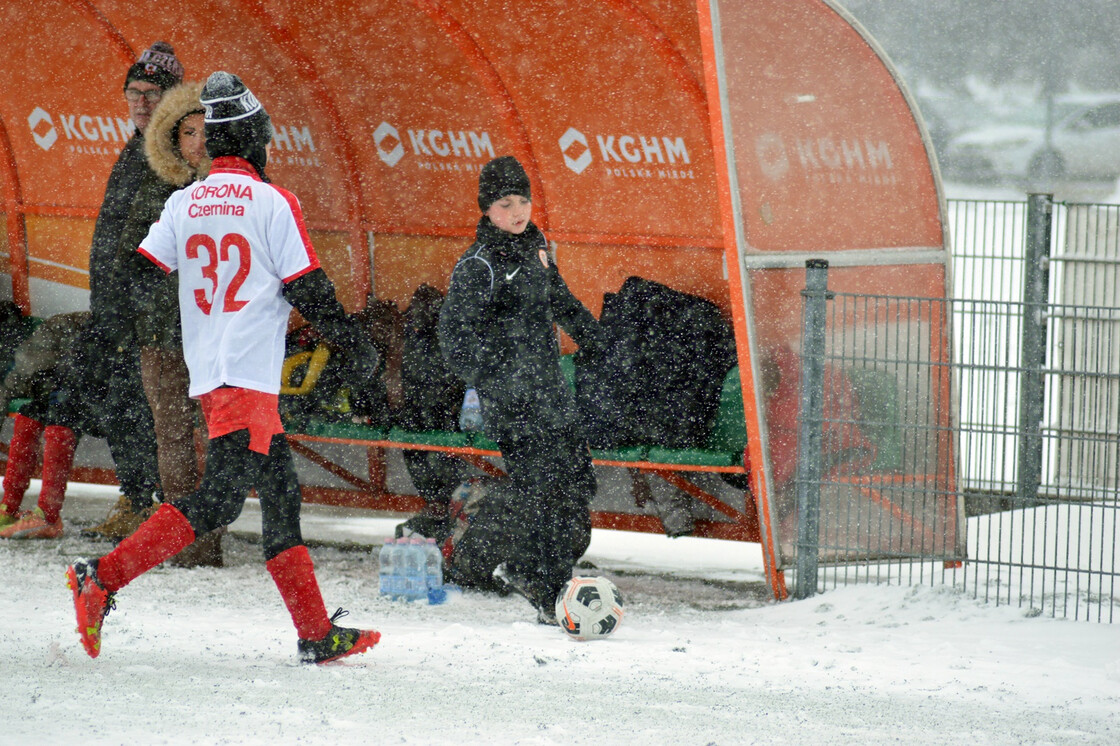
column 973, row 440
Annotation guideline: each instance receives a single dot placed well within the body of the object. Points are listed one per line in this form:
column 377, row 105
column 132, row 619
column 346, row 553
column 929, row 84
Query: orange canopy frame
column 711, row 145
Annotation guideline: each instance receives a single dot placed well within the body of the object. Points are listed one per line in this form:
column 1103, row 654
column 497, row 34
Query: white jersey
column 234, row 240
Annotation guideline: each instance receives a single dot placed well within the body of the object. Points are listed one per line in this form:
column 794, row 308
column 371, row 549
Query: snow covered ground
column 207, row 656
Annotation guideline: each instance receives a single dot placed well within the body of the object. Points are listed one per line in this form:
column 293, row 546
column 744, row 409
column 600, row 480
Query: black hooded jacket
column 496, row 330
column 124, row 181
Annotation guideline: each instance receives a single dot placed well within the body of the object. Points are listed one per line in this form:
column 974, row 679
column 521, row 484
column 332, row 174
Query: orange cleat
column 33, row 525
column 92, row 603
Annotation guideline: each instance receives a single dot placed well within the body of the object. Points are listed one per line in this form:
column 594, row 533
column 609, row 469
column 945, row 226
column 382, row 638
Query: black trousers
column 541, row 526
column 231, row 471
column 131, row 430
column 435, row 475
column 103, row 396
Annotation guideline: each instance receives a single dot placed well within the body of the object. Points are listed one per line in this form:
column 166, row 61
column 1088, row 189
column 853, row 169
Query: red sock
column 163, row 535
column 294, row 575
column 58, row 457
column 23, row 452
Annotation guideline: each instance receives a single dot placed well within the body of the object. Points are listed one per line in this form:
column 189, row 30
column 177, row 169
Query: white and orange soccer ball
column 589, row 608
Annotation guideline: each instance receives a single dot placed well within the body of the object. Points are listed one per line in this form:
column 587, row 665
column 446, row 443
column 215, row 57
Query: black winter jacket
column 496, row 331
column 124, row 181
column 154, row 314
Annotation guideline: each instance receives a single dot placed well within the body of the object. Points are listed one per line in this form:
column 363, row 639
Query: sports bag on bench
column 659, row 381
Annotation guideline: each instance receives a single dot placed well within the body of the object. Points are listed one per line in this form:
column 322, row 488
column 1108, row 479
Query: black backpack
column 659, row 381
column 431, row 393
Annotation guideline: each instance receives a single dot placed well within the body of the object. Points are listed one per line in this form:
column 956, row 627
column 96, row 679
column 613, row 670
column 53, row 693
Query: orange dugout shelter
column 711, row 145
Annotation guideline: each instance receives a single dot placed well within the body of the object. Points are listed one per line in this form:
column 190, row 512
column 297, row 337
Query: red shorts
column 229, row 409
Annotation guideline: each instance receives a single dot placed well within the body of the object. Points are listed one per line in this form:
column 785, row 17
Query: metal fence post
column 809, row 456
column 1032, row 356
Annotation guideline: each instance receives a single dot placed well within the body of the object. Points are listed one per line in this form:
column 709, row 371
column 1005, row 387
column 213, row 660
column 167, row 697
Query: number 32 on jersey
column 219, row 252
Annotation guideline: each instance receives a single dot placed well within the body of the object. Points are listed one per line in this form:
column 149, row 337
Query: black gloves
column 313, row 296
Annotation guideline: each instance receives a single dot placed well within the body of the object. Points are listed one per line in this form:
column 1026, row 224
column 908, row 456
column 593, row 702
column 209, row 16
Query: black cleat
column 542, row 598
column 339, row 642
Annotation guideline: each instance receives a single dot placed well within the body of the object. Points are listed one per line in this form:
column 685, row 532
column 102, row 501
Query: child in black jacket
column 497, row 333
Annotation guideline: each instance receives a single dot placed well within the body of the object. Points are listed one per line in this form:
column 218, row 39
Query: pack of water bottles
column 411, row 569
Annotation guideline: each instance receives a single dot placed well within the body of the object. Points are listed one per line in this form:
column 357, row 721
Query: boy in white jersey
column 244, row 259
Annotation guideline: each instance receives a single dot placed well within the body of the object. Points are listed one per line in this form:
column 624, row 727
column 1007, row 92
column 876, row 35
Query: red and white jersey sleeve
column 234, row 241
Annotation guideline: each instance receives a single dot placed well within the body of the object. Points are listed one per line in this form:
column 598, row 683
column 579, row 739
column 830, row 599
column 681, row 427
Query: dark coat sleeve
column 120, row 191
column 572, row 316
column 144, row 300
column 313, row 296
column 140, row 281
column 465, row 319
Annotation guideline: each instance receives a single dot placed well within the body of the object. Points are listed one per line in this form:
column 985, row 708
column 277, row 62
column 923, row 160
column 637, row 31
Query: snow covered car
column 1084, row 143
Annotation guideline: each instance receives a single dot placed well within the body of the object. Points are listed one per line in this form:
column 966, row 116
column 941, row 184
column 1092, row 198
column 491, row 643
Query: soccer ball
column 589, row 608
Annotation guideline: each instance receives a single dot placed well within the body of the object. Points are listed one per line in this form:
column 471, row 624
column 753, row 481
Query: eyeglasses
column 132, row 95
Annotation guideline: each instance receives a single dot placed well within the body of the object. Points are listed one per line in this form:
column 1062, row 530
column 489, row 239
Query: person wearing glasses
column 157, row 70
column 109, row 398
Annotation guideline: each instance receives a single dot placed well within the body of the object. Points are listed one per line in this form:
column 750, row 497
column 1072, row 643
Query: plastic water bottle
column 414, row 570
column 396, row 562
column 470, row 416
column 433, row 567
column 385, row 568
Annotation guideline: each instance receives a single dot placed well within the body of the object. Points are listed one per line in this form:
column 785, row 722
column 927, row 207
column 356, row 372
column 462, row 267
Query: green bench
column 722, row 454
column 723, row 451
column 724, row 448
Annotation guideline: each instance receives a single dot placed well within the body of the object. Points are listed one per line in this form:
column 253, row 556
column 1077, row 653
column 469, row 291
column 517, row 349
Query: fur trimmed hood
column 159, row 145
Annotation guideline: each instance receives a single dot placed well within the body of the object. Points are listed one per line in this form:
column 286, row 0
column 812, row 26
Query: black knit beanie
column 236, row 122
column 499, row 178
column 159, row 65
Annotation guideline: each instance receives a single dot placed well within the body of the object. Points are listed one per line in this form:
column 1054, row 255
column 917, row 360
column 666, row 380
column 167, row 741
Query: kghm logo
column 78, row 129
column 637, row 155
column 433, row 145
column 388, row 143
column 829, row 159
column 42, row 129
column 294, row 146
column 573, row 145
